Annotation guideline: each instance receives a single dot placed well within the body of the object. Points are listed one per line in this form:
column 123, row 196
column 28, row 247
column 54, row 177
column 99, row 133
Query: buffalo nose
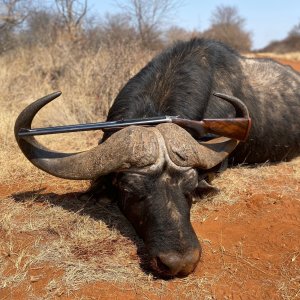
column 172, row 264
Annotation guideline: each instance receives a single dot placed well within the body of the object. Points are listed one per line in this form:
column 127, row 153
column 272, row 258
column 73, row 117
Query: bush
column 228, row 27
column 289, row 44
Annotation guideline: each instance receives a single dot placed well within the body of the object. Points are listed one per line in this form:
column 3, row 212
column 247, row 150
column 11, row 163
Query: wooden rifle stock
column 235, row 128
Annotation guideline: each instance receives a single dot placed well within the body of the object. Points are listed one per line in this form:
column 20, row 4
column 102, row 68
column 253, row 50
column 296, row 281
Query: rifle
column 235, row 128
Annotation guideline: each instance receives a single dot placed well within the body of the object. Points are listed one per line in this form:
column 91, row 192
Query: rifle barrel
column 93, row 126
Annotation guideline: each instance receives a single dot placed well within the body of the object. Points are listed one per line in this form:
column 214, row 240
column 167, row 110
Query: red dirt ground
column 294, row 64
column 251, row 249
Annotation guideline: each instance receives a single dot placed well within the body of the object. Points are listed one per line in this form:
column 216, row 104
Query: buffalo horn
column 240, row 108
column 185, row 151
column 129, row 147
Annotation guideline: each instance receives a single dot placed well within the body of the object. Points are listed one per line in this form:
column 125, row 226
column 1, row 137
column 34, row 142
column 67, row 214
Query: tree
column 226, row 15
column 295, row 31
column 117, row 28
column 176, row 33
column 72, row 13
column 228, row 26
column 148, row 17
column 289, row 44
column 12, row 14
column 42, row 27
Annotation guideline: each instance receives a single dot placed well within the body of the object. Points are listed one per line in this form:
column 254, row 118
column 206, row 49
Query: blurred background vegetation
column 62, row 45
column 26, row 23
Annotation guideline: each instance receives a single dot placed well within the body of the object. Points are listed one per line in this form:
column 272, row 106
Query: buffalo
column 155, row 172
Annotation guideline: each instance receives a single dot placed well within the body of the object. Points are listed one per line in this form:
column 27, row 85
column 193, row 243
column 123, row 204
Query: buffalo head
column 155, row 171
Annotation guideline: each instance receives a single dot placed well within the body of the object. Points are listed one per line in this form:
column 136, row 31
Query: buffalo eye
column 189, row 181
column 130, row 186
column 189, row 184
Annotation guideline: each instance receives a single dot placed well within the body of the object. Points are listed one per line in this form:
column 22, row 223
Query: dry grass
column 239, row 181
column 89, row 242
column 92, row 242
column 293, row 56
column 89, row 81
column 45, row 228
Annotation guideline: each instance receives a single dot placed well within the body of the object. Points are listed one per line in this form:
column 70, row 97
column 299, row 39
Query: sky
column 267, row 20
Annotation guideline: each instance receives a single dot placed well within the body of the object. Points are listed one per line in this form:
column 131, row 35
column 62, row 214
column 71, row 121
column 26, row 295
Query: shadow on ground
column 103, row 209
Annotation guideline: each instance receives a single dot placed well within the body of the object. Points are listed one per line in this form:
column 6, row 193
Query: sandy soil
column 251, row 246
column 294, row 64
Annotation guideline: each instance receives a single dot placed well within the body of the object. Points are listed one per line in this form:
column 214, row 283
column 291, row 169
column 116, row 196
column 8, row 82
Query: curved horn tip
column 235, row 102
column 27, row 114
column 57, row 93
column 227, row 97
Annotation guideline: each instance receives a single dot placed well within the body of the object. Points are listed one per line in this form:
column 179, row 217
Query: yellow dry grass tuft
column 294, row 56
column 89, row 81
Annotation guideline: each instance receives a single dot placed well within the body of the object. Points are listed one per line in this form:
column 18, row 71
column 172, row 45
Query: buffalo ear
column 204, row 190
column 100, row 188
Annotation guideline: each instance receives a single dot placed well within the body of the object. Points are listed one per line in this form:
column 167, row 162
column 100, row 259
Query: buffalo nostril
column 190, row 261
column 177, row 264
column 169, row 263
